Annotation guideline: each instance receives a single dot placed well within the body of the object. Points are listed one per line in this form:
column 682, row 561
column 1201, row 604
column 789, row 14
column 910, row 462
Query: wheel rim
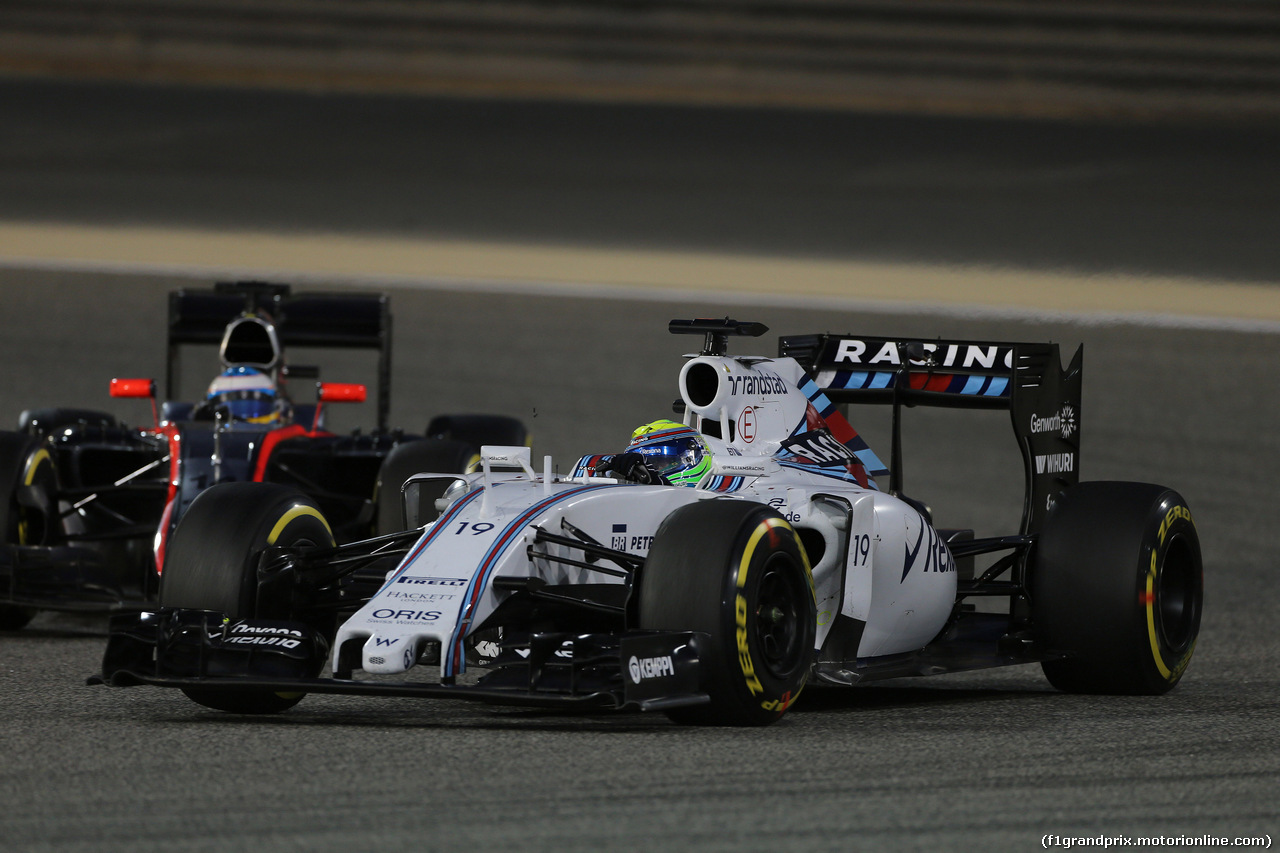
column 1177, row 602
column 779, row 605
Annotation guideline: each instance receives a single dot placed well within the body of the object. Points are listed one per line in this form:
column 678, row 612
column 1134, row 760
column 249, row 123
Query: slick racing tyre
column 212, row 560
column 28, row 514
column 479, row 430
column 735, row 570
column 405, row 460
column 45, row 421
column 1117, row 584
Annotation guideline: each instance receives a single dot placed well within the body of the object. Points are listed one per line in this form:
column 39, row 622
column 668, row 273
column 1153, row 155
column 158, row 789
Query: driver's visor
column 671, row 456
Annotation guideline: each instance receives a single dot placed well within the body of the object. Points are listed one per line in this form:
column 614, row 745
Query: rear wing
column 331, row 320
column 1028, row 379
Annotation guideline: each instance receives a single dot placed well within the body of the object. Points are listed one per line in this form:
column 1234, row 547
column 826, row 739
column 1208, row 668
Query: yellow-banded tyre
column 479, row 430
column 1117, row 584
column 415, row 457
column 212, row 559
column 28, row 510
column 735, row 570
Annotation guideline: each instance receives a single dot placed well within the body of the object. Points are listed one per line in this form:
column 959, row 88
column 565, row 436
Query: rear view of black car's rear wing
column 1026, row 378
column 327, row 320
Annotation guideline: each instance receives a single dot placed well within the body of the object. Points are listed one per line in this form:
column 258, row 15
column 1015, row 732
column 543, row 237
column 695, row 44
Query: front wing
column 635, row 670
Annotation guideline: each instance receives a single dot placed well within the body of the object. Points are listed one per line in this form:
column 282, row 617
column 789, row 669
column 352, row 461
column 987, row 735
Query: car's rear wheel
column 405, row 460
column 1117, row 584
column 28, row 515
column 735, row 570
column 212, row 561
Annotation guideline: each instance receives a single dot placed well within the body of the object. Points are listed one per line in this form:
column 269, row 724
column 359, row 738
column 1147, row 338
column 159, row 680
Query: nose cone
column 389, row 655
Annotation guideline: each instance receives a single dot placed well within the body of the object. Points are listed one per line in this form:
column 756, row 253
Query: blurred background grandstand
column 1179, row 59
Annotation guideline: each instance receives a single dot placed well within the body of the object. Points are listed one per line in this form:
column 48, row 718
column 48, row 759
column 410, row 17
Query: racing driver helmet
column 674, row 450
column 248, row 394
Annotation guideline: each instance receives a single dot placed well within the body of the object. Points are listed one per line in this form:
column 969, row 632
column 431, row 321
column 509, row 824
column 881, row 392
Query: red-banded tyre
column 212, row 560
column 1117, row 584
column 28, row 512
column 735, row 570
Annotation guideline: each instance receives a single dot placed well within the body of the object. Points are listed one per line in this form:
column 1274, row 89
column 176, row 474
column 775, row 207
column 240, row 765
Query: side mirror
column 138, row 388
column 337, row 392
column 341, row 392
column 133, row 388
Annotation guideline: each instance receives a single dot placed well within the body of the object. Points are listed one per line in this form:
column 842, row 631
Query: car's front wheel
column 212, row 561
column 735, row 570
column 28, row 514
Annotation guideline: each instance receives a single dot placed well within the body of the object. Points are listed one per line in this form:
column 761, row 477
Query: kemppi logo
column 642, row 668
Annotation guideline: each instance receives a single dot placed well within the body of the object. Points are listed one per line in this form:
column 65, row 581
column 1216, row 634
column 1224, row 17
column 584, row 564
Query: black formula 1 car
column 709, row 571
column 87, row 503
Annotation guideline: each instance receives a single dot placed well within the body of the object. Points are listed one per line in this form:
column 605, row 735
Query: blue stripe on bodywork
column 440, row 524
column 455, row 662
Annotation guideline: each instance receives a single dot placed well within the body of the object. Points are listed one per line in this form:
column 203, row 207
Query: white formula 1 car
column 709, row 572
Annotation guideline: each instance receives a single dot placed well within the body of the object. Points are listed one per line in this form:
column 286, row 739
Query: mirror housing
column 133, row 388
column 341, row 392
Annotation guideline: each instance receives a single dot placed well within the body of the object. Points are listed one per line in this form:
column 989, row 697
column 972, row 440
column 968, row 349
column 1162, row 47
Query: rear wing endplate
column 328, row 320
column 1028, row 379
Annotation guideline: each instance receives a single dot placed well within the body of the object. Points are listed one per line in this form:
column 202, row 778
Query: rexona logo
column 1063, row 423
column 433, row 581
column 934, row 556
column 258, row 635
column 1056, row 463
column 644, row 668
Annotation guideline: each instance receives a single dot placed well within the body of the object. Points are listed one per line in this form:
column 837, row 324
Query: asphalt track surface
column 995, row 759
